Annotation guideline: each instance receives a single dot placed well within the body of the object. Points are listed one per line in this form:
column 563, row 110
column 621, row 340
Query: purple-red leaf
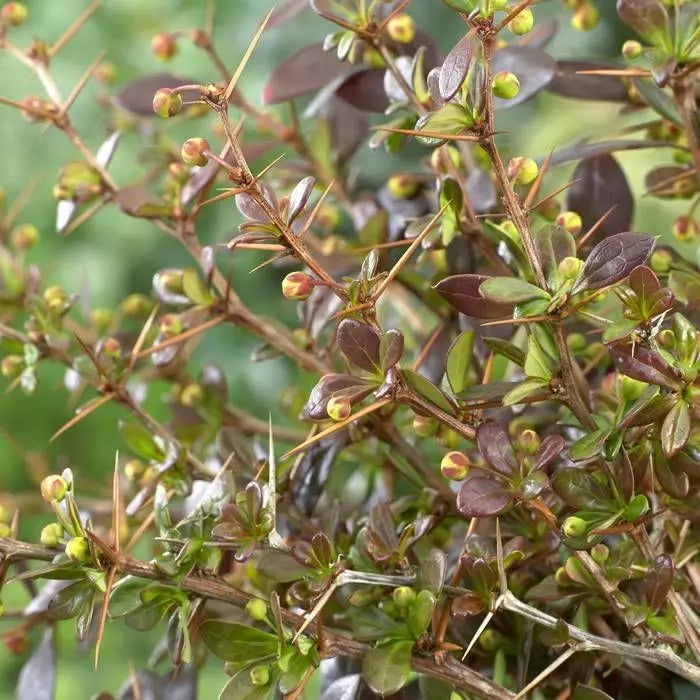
column 601, row 185
column 570, row 83
column 647, row 17
column 482, row 495
column 551, row 447
column 462, row 292
column 354, row 388
column 658, row 581
column 535, row 70
column 455, row 67
column 299, row 197
column 364, row 90
column 643, row 364
column 137, row 96
column 359, row 342
column 613, row 259
column 305, row 71
column 494, row 444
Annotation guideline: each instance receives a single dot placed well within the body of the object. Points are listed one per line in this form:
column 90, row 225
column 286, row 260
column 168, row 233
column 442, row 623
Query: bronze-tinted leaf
column 643, row 364
column 364, row 90
column 658, row 581
column 482, row 495
column 305, row 71
column 673, row 480
column 355, row 388
column 299, row 197
column 252, row 211
column 390, row 348
column 359, row 342
column 552, row 446
column 580, row 489
column 647, row 17
column 675, row 430
column 462, row 292
column 613, row 259
column 553, row 244
column 600, row 185
column 535, row 70
column 494, row 444
column 587, row 149
column 662, row 181
column 570, row 83
column 286, row 11
column 455, row 66
column 137, row 96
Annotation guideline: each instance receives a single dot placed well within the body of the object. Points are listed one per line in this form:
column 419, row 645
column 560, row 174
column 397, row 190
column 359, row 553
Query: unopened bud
column 5, row 530
column 660, row 261
column 5, row 514
column 78, row 549
column 25, row 237
column 106, row 72
column 666, row 339
column 401, row 28
column 16, row 641
column 111, row 347
column 600, row 553
column 570, row 268
column 529, row 441
column 56, row 299
column 424, row 426
column 164, row 46
column 137, row 306
column 455, row 465
column 256, row 609
column 577, row 342
column 101, row 318
column 505, row 85
column 297, row 286
column 260, row 675
column 522, row 23
column 561, row 577
column 338, row 408
column 403, row 186
column 574, row 526
column 491, row 639
column 170, row 325
column 403, row 596
column 193, row 151
column 585, row 18
column 549, row 209
column 571, row 221
column 631, row 49
column 191, row 395
column 12, row 366
column 522, row 170
column 54, row 488
column 51, row 535
column 133, row 469
column 12, row 14
column 167, row 103
column 685, row 229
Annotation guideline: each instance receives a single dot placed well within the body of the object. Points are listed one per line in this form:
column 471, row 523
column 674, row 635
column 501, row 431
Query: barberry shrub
column 487, row 484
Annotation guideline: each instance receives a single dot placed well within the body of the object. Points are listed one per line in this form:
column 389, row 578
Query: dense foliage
column 492, row 488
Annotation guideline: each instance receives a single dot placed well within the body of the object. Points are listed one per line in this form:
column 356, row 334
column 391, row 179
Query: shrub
column 493, row 486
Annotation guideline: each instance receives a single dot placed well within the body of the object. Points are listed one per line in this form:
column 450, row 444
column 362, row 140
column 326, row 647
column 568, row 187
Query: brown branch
column 334, row 643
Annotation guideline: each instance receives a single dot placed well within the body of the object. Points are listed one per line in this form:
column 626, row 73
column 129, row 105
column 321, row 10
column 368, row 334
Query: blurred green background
column 113, row 255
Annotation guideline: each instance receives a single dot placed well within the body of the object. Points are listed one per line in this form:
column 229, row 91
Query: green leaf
column 537, row 363
column 581, row 489
column 589, row 445
column 126, row 596
column 420, row 613
column 530, row 387
column 237, row 643
column 511, row 290
column 240, row 687
column 587, row 692
column 195, row 289
column 675, row 429
column 140, row 441
column 507, row 349
column 387, row 668
column 294, row 672
column 71, row 600
column 428, row 390
column 459, row 358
